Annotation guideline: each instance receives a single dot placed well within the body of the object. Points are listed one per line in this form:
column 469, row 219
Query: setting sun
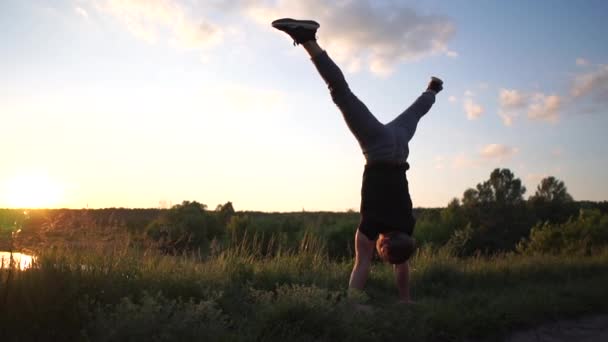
column 32, row 191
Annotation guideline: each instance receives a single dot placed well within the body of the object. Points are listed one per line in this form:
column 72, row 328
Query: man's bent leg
column 408, row 120
column 361, row 122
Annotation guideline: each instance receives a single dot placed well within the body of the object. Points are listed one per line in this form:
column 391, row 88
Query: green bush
column 583, row 235
column 157, row 318
column 184, row 227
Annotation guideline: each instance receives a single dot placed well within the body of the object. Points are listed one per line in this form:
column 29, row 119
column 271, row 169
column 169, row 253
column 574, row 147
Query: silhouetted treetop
column 551, row 189
column 501, row 188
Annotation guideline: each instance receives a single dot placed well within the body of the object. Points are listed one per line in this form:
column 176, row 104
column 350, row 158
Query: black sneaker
column 436, row 84
column 300, row 31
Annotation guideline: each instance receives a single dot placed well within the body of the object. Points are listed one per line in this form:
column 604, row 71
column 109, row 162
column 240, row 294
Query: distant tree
column 470, row 198
column 552, row 189
column 238, row 226
column 453, row 216
column 438, row 228
column 501, row 188
column 185, row 226
column 225, row 212
column 494, row 212
column 552, row 202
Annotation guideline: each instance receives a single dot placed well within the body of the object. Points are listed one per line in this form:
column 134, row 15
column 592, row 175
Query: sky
column 131, row 103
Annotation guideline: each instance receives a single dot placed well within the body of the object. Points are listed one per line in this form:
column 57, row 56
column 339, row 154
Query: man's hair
column 398, row 249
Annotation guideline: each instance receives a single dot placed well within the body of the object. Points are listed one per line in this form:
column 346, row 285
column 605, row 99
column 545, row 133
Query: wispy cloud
column 81, row 12
column 535, row 178
column 236, row 98
column 510, row 102
column 544, row 107
column 359, row 34
column 364, row 33
column 588, row 93
column 439, row 162
column 537, row 106
column 150, row 19
column 487, row 156
column 582, row 61
column 591, row 83
column 471, row 108
column 557, row 152
column 497, row 152
column 461, row 161
column 511, row 99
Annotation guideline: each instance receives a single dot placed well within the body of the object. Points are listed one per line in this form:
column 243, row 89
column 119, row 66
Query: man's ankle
column 312, row 48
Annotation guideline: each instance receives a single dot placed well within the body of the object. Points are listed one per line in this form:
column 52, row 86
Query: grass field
column 115, row 293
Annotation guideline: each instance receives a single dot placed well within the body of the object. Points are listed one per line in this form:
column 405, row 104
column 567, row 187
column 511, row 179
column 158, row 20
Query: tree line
column 492, row 217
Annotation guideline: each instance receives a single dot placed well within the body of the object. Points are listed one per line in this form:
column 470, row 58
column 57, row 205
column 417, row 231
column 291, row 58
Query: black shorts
column 386, row 205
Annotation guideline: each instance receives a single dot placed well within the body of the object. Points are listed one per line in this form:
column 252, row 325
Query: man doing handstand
column 386, row 222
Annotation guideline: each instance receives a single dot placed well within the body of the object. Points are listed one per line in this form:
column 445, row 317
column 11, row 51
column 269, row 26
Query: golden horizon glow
column 32, row 191
column 20, row 261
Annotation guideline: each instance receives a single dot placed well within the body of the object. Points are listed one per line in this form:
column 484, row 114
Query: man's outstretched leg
column 407, row 121
column 361, row 122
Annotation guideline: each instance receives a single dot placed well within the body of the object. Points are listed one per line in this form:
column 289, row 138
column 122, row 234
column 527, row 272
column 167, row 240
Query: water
column 22, row 261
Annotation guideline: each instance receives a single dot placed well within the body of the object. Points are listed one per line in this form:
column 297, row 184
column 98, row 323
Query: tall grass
column 244, row 293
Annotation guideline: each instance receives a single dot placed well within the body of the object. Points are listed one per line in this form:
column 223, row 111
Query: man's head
column 395, row 247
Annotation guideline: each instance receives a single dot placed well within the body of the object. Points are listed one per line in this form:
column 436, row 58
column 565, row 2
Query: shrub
column 156, row 318
column 186, row 226
column 580, row 236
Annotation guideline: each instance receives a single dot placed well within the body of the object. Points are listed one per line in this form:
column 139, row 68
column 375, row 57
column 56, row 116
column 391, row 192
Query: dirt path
column 587, row 329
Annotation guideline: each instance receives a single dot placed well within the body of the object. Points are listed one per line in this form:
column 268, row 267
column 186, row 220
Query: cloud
column 472, row 109
column 439, row 162
column 535, row 177
column 359, row 34
column 510, row 102
column 81, row 12
column 582, row 62
column 461, row 161
column 594, row 82
column 497, row 151
column 511, row 99
column 487, row 156
column 507, row 117
column 236, row 98
column 538, row 106
column 452, row 99
column 544, row 107
column 151, row 19
column 364, row 32
column 588, row 93
column 557, row 152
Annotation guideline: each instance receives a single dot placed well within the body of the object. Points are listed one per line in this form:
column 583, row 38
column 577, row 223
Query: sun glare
column 32, row 191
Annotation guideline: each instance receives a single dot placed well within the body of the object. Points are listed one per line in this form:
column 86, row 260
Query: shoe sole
column 437, row 79
column 292, row 24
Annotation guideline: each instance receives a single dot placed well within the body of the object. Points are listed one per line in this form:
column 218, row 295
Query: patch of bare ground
column 586, row 329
